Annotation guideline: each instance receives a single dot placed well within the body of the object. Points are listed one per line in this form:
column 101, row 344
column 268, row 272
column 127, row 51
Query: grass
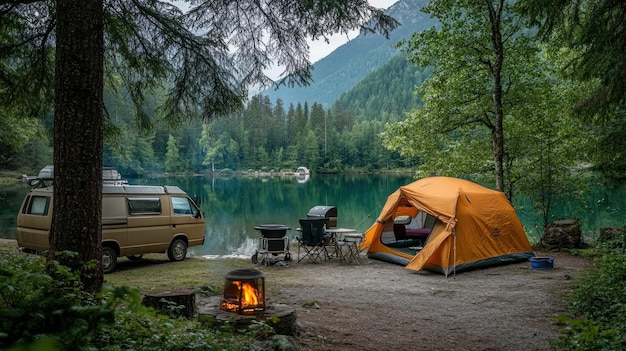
column 155, row 272
column 52, row 314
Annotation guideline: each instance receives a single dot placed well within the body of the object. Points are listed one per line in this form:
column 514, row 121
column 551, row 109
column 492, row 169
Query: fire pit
column 244, row 303
column 272, row 231
column 244, row 292
column 272, row 243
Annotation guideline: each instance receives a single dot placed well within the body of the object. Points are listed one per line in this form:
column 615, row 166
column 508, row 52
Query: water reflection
column 233, row 206
column 303, row 178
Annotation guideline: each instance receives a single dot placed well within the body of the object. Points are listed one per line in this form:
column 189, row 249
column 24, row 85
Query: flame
column 249, row 298
column 249, row 294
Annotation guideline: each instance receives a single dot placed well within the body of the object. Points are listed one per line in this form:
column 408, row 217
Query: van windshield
column 183, row 206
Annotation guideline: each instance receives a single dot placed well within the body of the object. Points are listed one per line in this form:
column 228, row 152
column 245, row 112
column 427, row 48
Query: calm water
column 234, row 206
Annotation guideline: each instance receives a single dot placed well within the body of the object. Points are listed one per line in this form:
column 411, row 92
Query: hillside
column 340, row 71
column 387, row 93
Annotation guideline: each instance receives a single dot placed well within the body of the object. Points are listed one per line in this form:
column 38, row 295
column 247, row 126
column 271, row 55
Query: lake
column 233, row 206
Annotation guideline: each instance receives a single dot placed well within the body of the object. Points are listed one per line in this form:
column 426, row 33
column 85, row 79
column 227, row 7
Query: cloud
column 320, row 49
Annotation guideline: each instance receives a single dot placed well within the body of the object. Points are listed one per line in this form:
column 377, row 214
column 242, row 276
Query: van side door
column 33, row 222
column 114, row 220
column 148, row 225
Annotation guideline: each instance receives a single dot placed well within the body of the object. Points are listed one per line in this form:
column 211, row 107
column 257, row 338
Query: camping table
column 349, row 239
column 336, row 236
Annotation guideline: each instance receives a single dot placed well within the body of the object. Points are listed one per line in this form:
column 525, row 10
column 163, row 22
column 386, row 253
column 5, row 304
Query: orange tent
column 471, row 227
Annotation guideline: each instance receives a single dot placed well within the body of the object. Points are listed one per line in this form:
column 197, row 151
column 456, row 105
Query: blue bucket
column 541, row 262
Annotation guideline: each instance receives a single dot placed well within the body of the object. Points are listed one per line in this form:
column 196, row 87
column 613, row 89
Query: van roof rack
column 110, row 176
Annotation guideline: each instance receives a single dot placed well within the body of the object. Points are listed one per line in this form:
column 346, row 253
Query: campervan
column 136, row 220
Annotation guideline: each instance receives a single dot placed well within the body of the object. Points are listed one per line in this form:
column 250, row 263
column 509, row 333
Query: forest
column 263, row 136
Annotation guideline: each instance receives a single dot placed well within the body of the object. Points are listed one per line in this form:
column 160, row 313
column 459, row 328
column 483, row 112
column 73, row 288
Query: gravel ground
column 382, row 306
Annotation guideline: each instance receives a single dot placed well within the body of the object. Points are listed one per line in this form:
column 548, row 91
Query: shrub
column 597, row 307
column 38, row 312
column 35, row 308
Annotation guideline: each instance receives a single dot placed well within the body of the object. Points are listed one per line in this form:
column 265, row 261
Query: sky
column 320, row 49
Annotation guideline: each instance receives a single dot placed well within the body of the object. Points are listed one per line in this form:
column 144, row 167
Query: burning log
column 244, row 292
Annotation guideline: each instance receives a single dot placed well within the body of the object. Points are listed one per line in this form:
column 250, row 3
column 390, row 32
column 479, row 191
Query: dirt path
column 381, row 306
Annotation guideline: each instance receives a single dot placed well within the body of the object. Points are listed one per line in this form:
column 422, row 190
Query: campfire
column 244, row 292
column 244, row 303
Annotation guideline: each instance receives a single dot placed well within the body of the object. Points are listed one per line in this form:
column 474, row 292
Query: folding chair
column 399, row 231
column 312, row 240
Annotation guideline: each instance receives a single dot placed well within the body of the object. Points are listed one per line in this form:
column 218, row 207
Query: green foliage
column 15, row 131
column 597, row 306
column 38, row 312
column 593, row 31
column 35, row 308
column 172, row 158
column 546, row 147
column 609, row 154
column 454, row 132
column 485, row 73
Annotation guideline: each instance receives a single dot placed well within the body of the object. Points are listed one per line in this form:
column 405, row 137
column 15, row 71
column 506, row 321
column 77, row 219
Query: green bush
column 38, row 312
column 35, row 308
column 597, row 307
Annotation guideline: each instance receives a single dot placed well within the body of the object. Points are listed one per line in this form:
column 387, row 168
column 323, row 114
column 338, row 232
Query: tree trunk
column 495, row 19
column 78, row 134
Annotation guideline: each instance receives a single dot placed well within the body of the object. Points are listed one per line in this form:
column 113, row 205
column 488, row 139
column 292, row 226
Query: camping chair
column 312, row 239
column 399, row 231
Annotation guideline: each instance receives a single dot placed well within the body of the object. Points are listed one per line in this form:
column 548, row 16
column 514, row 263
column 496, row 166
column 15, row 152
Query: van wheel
column 109, row 259
column 177, row 250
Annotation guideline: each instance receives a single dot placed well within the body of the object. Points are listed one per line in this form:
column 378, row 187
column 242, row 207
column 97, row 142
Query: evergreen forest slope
column 387, row 93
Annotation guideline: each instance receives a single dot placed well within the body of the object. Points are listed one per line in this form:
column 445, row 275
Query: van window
column 26, row 203
column 144, row 205
column 38, row 205
column 183, row 206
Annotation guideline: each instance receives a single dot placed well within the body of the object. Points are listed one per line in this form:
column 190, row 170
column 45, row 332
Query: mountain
column 350, row 63
column 387, row 93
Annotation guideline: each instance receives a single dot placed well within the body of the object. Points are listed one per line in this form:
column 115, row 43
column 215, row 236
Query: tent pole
column 454, row 253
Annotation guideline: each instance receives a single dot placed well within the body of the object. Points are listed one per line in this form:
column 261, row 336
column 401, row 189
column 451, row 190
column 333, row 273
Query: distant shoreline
column 265, row 174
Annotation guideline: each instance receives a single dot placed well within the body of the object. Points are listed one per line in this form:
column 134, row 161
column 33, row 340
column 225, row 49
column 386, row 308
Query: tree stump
column 564, row 234
column 178, row 303
column 281, row 317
